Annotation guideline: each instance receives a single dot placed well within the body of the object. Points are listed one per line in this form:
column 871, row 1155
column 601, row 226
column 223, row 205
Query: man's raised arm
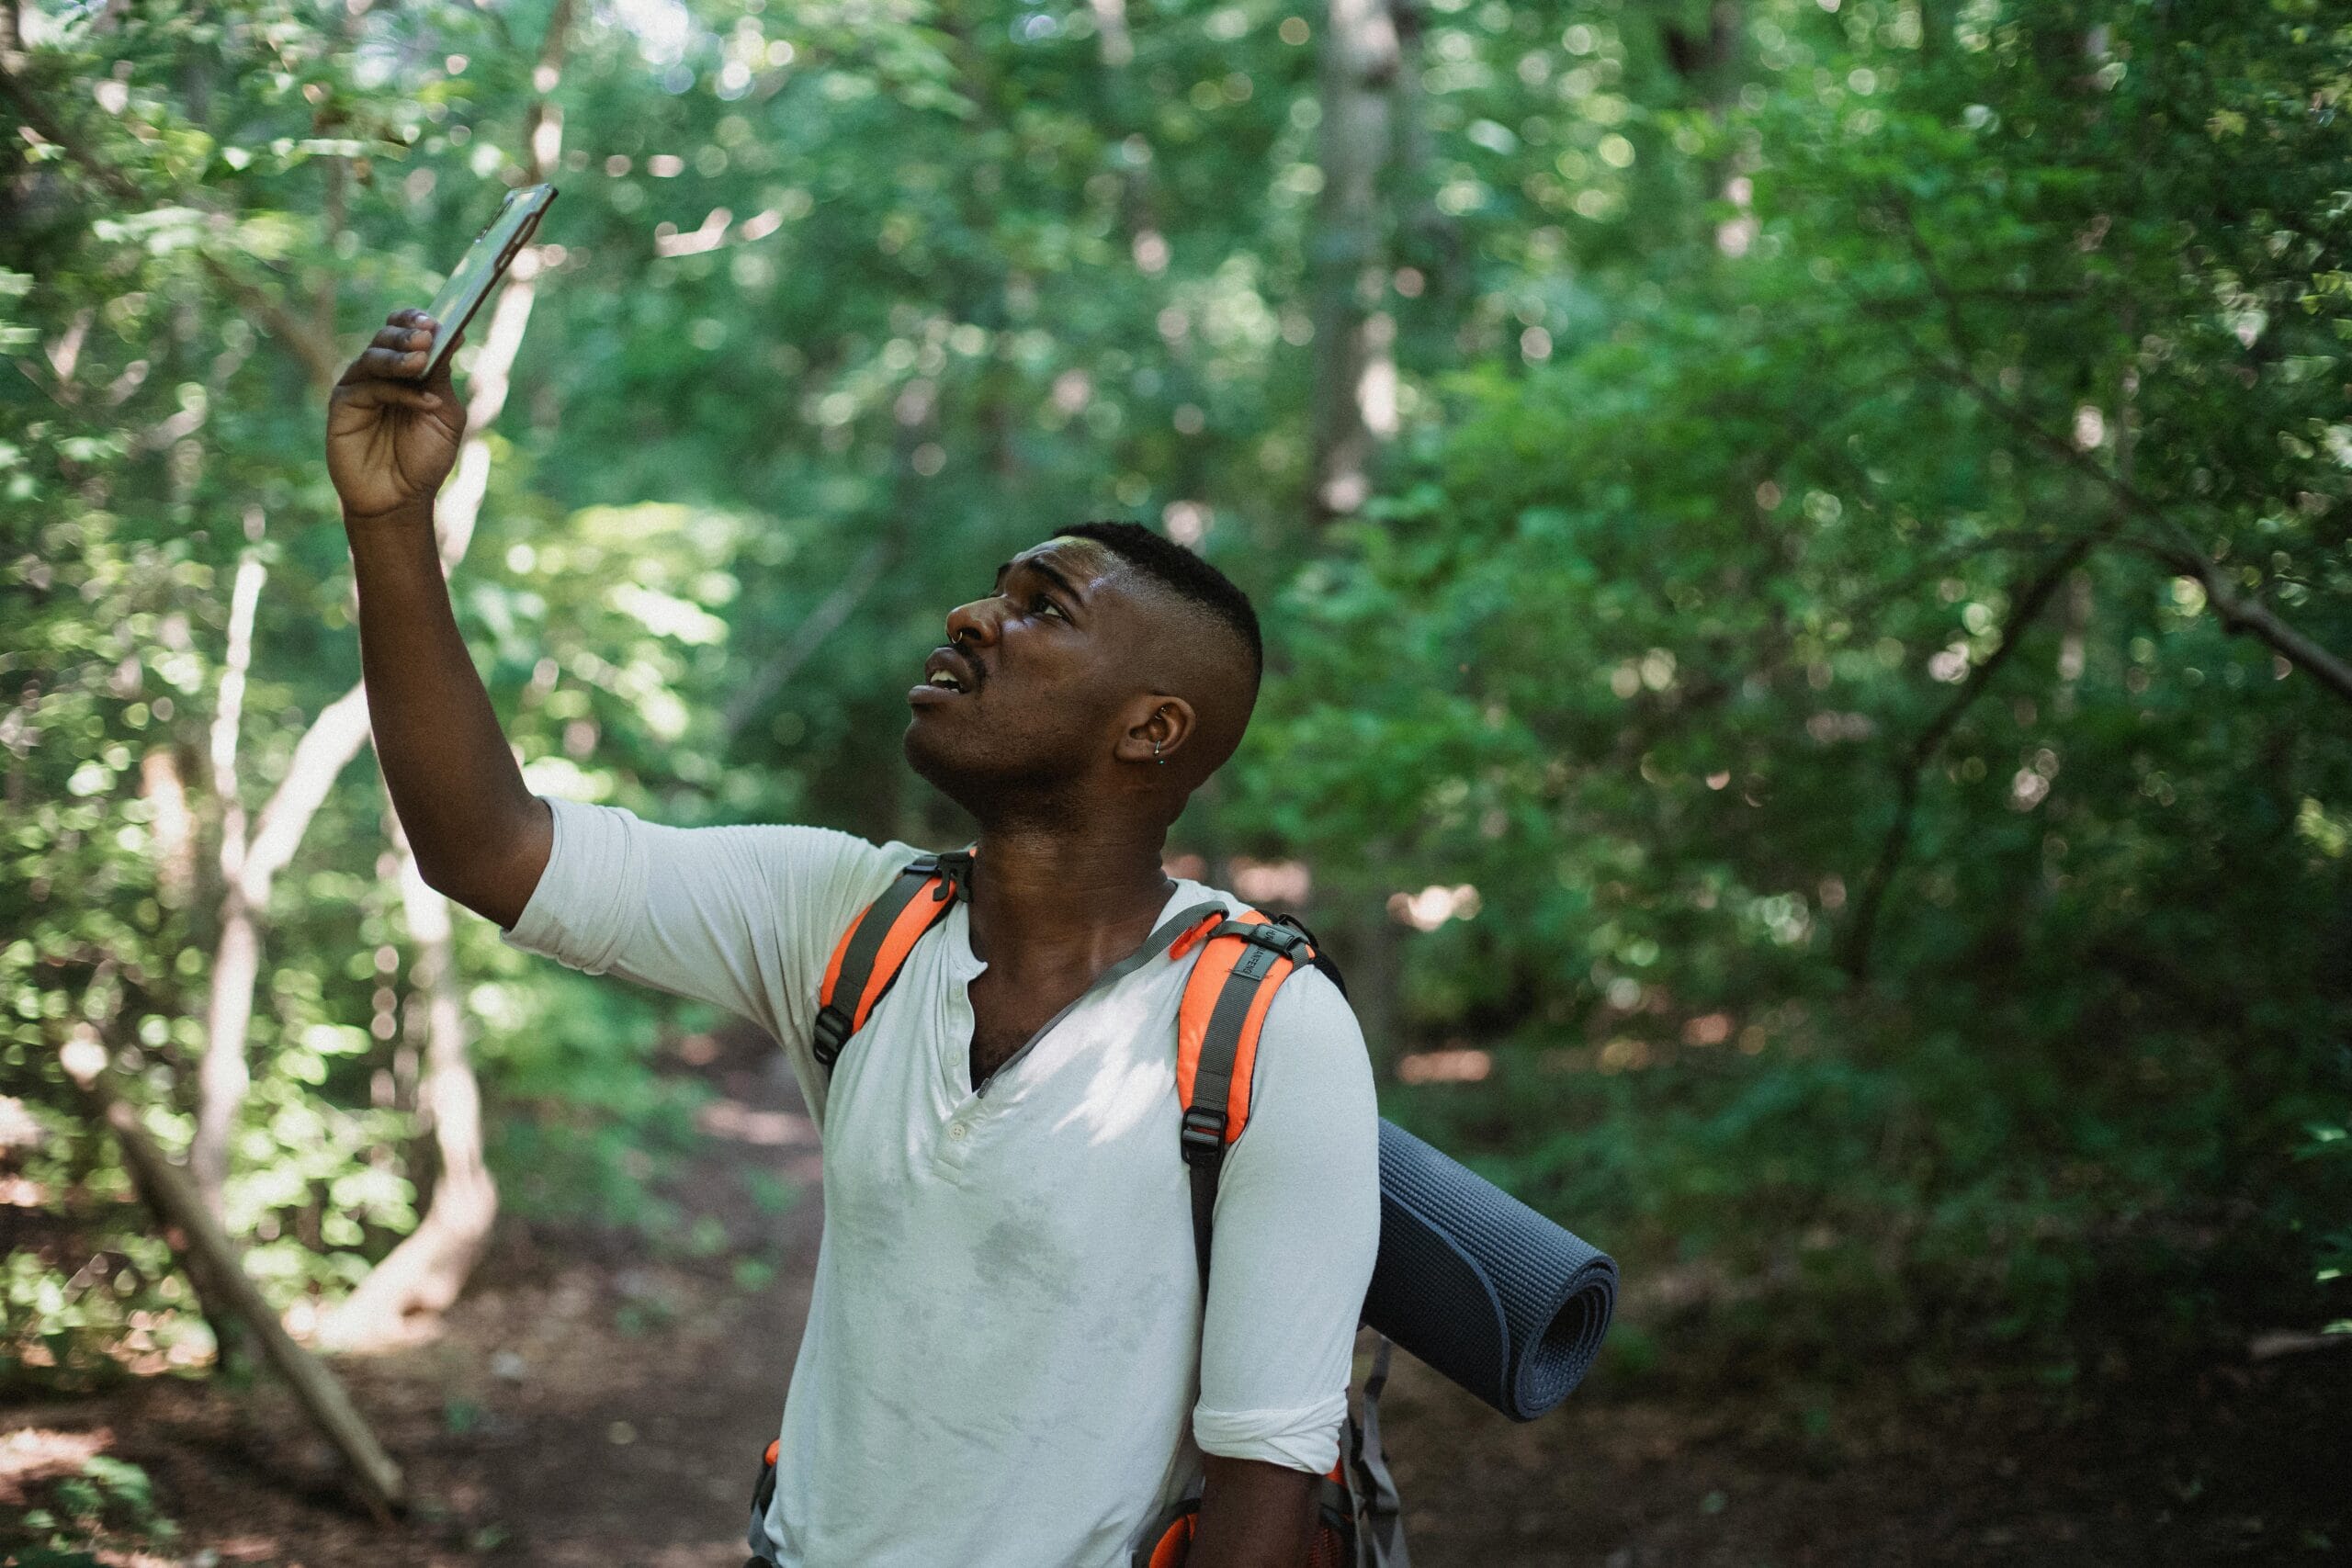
column 478, row 833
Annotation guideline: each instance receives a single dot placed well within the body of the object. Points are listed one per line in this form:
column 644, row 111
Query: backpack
column 1239, row 962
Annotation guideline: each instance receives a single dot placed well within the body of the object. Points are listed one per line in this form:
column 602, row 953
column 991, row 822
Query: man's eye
column 1045, row 606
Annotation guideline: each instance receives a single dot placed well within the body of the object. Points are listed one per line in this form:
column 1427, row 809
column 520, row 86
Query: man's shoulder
column 1306, row 977
column 825, row 870
column 1310, row 1002
column 817, row 872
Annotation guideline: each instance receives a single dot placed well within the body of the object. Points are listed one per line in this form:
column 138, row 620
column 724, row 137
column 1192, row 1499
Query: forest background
column 1804, row 544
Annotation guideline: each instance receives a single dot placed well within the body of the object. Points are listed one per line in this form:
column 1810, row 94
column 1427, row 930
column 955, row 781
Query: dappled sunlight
column 1271, row 882
column 1454, row 1065
column 1707, row 1029
column 1134, row 1071
column 768, row 1129
column 1434, row 905
column 35, row 1453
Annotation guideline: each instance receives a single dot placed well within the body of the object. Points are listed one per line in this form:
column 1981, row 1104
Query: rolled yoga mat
column 1482, row 1287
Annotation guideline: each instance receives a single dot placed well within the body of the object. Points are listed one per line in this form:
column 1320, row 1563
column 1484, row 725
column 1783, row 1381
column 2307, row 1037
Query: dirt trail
column 600, row 1404
column 638, row 1445
column 594, row 1399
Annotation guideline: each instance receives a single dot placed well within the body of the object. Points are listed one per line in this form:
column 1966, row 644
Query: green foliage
column 105, row 1501
column 592, row 1124
column 1810, row 674
column 1801, row 683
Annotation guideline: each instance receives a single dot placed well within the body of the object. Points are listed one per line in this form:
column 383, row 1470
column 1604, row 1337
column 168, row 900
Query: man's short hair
column 1180, row 571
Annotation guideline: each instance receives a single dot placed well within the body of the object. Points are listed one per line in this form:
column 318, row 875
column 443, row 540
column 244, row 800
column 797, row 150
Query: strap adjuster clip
column 1274, row 938
column 953, row 869
column 1204, row 1136
column 1266, row 942
column 832, row 1032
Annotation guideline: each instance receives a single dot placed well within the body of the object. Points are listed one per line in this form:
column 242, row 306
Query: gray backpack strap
column 1206, row 1118
column 1380, row 1514
column 1359, row 1498
column 869, row 955
column 764, row 1551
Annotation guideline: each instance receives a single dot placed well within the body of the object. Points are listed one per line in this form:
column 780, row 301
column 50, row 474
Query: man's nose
column 977, row 621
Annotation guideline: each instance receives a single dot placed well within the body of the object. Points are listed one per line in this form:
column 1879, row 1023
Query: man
column 1008, row 1360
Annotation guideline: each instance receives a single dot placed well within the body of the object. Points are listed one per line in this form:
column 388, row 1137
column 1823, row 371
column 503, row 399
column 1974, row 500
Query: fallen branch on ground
column 167, row 1191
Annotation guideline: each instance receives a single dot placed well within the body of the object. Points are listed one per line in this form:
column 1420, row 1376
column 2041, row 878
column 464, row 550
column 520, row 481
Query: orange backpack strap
column 869, row 955
column 1244, row 960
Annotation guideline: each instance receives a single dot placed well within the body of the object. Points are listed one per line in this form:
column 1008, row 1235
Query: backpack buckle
column 953, row 869
column 1274, row 937
column 1204, row 1136
column 832, row 1032
column 1266, row 943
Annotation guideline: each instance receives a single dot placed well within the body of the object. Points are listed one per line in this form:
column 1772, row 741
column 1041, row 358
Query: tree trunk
column 424, row 1275
column 1355, row 403
column 221, row 1078
column 331, row 740
column 1372, row 961
column 1424, row 234
column 336, row 734
column 1111, row 26
column 1354, row 408
column 212, row 1258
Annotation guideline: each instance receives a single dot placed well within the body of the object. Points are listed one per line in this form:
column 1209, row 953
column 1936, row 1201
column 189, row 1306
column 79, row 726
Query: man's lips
column 955, row 665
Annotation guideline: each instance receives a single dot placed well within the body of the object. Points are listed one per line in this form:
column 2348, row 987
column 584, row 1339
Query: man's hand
column 390, row 438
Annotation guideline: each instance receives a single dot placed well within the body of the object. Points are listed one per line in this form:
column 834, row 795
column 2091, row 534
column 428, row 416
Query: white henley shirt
column 1006, row 1363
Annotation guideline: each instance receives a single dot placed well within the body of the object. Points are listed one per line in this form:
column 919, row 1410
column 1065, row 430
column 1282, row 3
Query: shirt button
column 959, row 1131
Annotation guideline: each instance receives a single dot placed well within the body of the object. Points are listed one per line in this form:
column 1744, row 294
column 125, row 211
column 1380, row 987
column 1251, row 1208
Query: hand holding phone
column 390, row 441
column 484, row 263
column 394, row 421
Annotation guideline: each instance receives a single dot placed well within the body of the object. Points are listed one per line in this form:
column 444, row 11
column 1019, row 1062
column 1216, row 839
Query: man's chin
column 924, row 755
column 983, row 782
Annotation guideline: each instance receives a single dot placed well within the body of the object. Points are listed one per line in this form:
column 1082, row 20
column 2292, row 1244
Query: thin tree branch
column 333, row 740
column 1945, row 559
column 2242, row 614
column 316, row 357
column 2239, row 612
column 2031, row 599
column 807, row 639
column 36, row 114
column 236, row 659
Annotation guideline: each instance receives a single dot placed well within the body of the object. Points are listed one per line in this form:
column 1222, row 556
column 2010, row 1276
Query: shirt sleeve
column 1297, row 1228
column 745, row 918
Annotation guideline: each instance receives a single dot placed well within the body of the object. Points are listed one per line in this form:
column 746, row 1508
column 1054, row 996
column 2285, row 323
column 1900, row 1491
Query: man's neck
column 1048, row 900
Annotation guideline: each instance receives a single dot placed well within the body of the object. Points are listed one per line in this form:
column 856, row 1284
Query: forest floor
column 599, row 1402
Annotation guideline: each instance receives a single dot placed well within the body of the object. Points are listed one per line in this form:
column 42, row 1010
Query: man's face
column 1027, row 694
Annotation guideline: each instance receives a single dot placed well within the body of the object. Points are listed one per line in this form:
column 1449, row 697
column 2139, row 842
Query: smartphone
column 486, row 260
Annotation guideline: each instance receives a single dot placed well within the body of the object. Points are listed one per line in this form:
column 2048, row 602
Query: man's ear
column 1157, row 728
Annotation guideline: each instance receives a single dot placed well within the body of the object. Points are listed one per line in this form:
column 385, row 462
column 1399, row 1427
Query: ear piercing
column 1156, row 756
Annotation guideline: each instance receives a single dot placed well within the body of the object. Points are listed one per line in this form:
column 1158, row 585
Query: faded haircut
column 1181, row 572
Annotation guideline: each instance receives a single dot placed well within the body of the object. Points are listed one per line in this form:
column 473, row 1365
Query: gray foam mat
column 1484, row 1289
